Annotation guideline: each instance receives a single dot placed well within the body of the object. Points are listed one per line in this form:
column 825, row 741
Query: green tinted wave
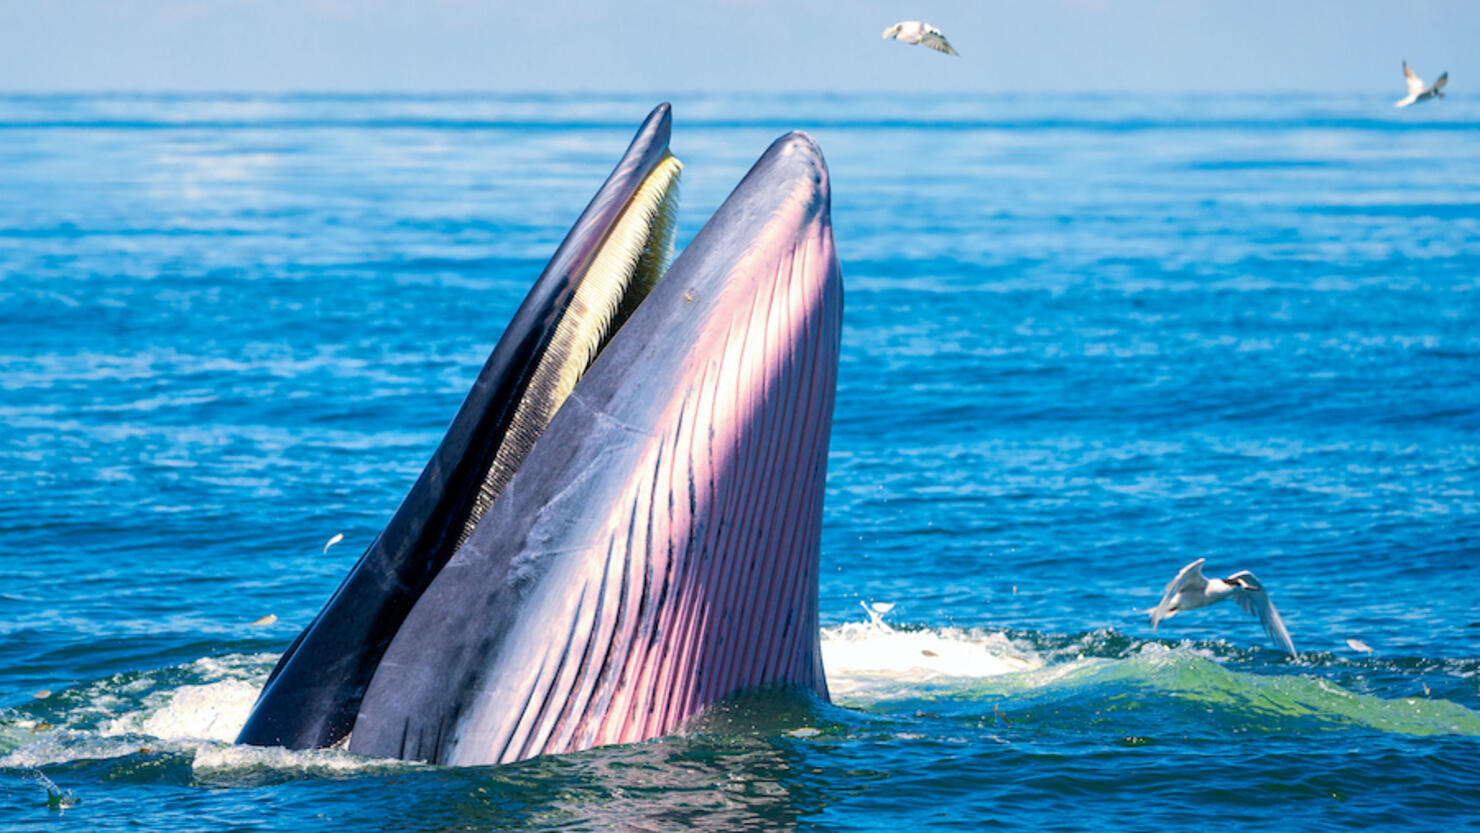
column 1171, row 686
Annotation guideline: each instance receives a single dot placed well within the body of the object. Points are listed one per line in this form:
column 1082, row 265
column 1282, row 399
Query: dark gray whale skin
column 313, row 694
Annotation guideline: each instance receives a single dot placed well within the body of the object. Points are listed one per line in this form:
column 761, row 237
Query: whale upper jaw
column 313, row 696
column 657, row 548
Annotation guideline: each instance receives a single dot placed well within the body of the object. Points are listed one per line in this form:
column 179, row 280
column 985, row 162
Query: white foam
column 213, row 711
column 866, row 657
column 65, row 747
column 119, row 717
column 214, row 759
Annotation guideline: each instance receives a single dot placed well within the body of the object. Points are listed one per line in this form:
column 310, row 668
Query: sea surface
column 1088, row 339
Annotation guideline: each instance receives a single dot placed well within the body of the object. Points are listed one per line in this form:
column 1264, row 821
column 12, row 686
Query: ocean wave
column 1057, row 681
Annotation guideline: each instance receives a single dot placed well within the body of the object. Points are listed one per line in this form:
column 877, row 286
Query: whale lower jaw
column 657, row 549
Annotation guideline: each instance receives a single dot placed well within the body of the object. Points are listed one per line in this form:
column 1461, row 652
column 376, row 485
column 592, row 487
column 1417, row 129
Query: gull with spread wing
column 1418, row 90
column 1190, row 590
column 917, row 31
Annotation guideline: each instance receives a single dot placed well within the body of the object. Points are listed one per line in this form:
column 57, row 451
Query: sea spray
column 57, row 798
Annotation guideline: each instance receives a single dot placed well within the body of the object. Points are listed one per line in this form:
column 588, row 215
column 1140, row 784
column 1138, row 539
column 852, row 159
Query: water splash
column 57, row 799
column 189, row 714
column 872, row 657
column 1018, row 681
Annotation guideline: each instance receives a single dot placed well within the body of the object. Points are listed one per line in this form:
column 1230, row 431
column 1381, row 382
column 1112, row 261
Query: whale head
column 622, row 524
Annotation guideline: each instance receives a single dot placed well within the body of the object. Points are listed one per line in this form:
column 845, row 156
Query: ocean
column 1087, row 340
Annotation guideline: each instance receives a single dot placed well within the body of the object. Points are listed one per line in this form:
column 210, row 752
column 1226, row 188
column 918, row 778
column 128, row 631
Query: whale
column 621, row 526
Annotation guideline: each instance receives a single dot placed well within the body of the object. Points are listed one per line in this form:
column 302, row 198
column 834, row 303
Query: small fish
column 1425, row 687
column 1359, row 645
column 332, row 541
column 1014, row 590
column 41, row 727
column 265, row 620
column 929, row 653
column 42, row 694
column 805, row 732
column 1000, row 715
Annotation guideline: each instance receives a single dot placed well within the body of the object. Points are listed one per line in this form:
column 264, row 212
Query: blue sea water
column 1088, row 339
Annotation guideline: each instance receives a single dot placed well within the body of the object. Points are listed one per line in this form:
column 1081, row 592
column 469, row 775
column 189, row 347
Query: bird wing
column 1439, row 85
column 937, row 41
column 1415, row 84
column 1191, row 578
column 1252, row 597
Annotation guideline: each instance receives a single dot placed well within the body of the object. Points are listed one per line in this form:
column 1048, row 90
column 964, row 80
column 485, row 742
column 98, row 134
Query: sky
column 731, row 45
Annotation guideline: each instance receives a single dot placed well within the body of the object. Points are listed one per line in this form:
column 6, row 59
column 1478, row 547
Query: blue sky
column 728, row 45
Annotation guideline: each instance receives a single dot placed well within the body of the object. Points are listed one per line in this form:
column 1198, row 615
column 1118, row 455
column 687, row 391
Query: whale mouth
column 622, row 522
column 625, row 266
column 609, row 261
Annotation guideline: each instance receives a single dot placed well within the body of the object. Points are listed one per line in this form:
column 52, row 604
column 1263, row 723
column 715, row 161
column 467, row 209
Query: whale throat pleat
column 706, row 585
column 658, row 549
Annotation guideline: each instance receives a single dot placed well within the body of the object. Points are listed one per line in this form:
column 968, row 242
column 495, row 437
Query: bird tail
column 1158, row 614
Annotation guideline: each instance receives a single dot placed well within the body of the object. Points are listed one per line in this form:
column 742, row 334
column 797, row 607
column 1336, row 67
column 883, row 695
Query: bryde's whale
column 622, row 523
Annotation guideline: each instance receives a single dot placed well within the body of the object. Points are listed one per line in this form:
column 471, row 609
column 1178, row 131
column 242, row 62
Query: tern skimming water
column 1190, row 590
column 1418, row 90
column 916, row 31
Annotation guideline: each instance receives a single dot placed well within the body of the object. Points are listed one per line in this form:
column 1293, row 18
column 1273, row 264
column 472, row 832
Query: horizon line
column 595, row 93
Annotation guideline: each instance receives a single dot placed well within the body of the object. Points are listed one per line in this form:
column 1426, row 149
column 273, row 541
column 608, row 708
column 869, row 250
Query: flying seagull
column 1190, row 590
column 915, row 31
column 1417, row 90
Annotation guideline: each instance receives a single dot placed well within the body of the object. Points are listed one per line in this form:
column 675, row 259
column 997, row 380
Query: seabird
column 1417, row 90
column 915, row 31
column 876, row 612
column 1190, row 590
